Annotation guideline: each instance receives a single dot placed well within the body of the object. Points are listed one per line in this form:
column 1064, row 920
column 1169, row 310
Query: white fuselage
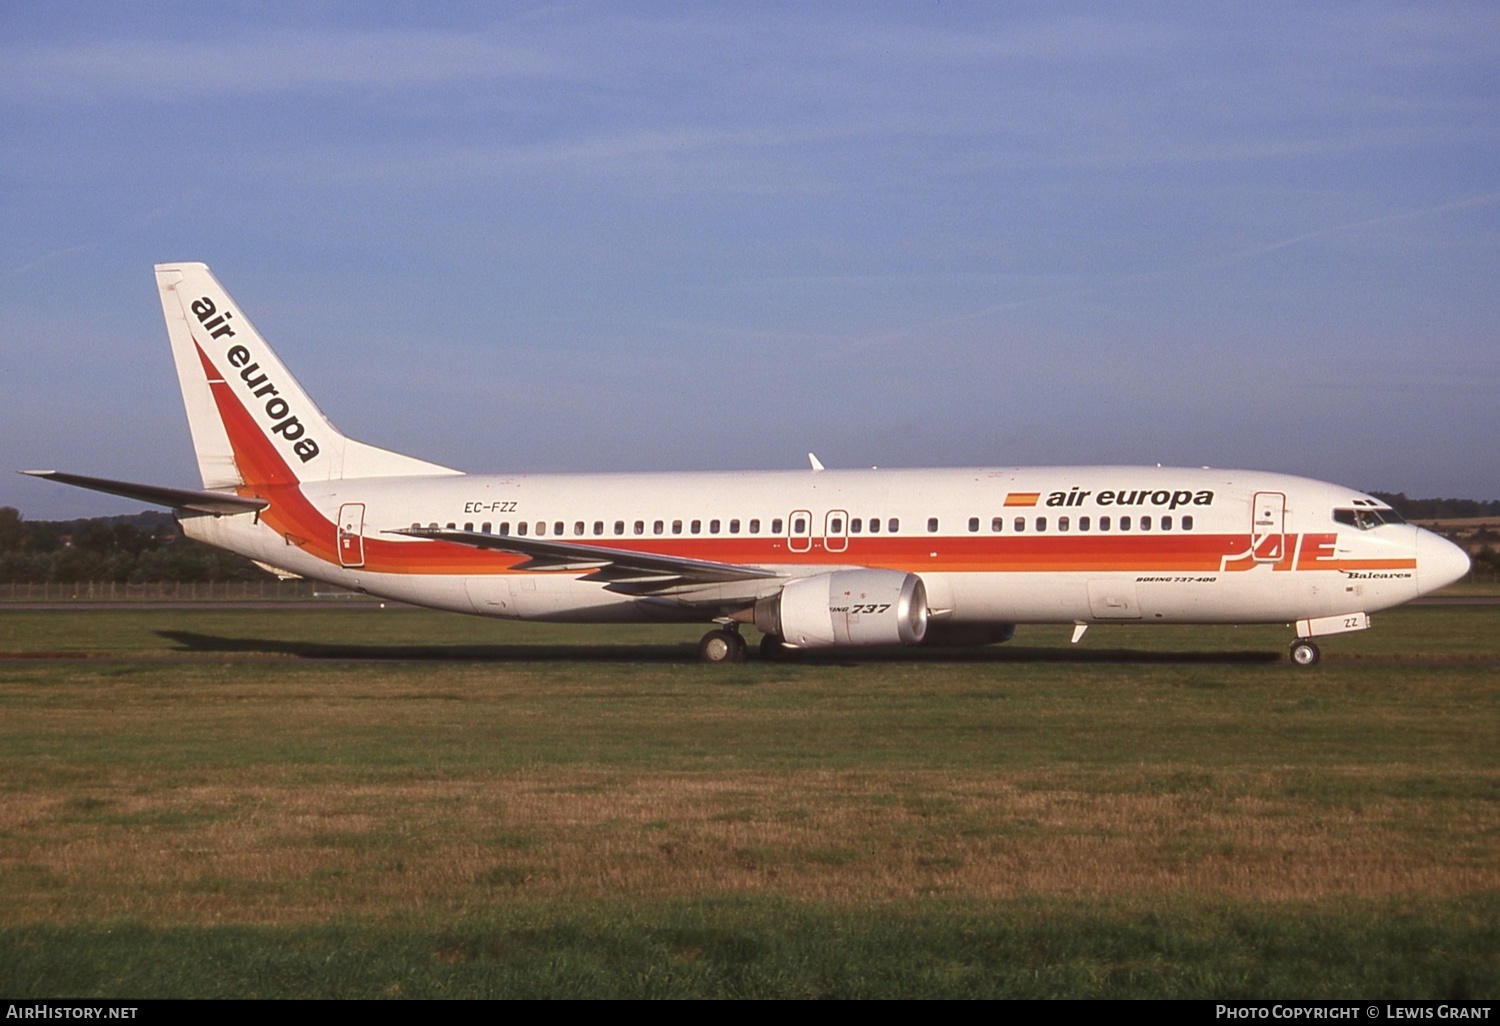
column 992, row 545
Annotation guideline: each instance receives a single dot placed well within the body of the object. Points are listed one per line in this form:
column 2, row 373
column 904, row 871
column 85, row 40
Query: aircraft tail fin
column 252, row 423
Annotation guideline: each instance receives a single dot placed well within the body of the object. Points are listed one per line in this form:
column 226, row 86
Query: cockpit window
column 1366, row 519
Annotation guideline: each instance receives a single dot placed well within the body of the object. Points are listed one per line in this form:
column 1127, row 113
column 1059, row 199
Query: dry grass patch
column 261, row 851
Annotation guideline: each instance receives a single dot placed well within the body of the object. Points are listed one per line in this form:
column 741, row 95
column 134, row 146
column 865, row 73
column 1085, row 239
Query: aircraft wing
column 625, row 570
column 217, row 503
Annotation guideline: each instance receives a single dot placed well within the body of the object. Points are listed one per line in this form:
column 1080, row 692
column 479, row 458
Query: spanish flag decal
column 1022, row 498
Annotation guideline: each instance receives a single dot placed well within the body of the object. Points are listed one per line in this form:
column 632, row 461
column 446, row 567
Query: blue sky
column 716, row 236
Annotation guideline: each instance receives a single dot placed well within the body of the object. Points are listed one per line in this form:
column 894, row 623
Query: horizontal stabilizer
column 217, row 503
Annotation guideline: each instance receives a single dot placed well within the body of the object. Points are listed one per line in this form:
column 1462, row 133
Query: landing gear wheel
column 1305, row 653
column 773, row 649
column 722, row 647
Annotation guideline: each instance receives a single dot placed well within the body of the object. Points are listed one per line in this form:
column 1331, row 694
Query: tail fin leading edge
column 252, row 423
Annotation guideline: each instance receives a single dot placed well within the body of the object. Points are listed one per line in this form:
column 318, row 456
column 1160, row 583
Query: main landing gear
column 723, row 645
column 727, row 645
column 1304, row 653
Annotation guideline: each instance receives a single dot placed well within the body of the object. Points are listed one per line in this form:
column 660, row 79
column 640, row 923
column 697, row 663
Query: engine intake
column 849, row 607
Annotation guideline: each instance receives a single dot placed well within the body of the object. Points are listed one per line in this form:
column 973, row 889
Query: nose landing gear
column 1304, row 653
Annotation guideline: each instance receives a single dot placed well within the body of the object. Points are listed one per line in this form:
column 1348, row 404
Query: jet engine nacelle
column 849, row 607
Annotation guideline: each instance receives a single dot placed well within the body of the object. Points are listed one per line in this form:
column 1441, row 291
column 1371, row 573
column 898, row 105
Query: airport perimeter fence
column 174, row 591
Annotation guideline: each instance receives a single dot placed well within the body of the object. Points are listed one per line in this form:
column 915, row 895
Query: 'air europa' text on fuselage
column 1075, row 496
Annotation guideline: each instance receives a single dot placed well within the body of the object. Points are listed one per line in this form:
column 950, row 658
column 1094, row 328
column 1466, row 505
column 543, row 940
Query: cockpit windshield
column 1366, row 519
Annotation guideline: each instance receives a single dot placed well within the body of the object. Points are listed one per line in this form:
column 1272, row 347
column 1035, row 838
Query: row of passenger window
column 1105, row 523
column 580, row 528
column 801, row 527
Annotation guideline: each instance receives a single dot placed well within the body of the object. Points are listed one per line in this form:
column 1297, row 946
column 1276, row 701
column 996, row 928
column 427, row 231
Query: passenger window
column 619, row 527
column 997, row 524
column 932, row 525
column 1020, row 525
column 1124, row 523
column 1104, row 523
column 1083, row 523
column 1166, row 523
column 755, row 526
column 836, row 525
column 893, row 525
column 505, row 527
column 696, row 527
column 799, row 526
column 469, row 526
column 713, row 527
column 452, row 527
column 1062, row 523
column 485, row 527
column 657, row 526
column 734, row 527
column 598, row 527
column 855, row 525
column 1187, row 522
column 521, row 529
column 640, row 527
column 1041, row 523
column 578, row 527
column 776, row 525
column 677, row 527
column 541, row 528
column 1145, row 523
column 874, row 525
column 557, row 528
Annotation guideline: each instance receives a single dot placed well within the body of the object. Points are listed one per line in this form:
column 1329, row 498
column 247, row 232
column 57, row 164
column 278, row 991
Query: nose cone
column 1439, row 562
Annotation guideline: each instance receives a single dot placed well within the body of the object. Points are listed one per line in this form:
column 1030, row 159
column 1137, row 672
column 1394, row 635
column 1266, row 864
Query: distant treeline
column 145, row 547
column 1438, row 509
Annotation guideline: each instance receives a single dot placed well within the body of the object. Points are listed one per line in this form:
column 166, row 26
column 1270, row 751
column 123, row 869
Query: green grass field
column 322, row 803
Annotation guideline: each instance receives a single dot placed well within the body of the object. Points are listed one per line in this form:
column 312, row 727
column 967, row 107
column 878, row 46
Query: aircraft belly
column 559, row 598
column 1257, row 596
column 445, row 593
column 1015, row 597
column 1262, row 595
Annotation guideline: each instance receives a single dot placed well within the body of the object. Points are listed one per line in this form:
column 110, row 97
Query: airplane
column 814, row 559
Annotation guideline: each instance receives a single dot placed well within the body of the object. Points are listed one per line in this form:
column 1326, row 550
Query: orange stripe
column 294, row 517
